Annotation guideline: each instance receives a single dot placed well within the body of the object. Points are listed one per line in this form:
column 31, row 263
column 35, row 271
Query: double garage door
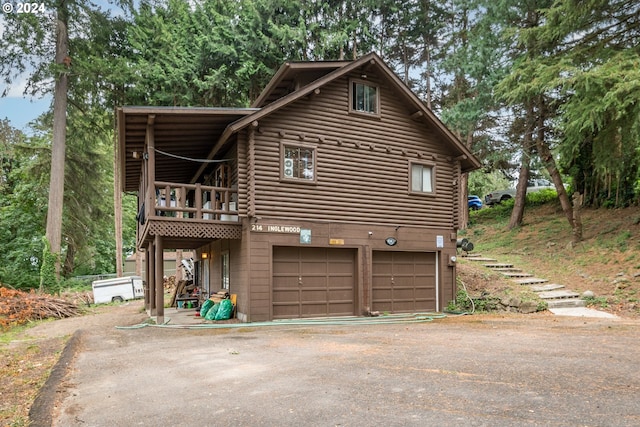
column 314, row 282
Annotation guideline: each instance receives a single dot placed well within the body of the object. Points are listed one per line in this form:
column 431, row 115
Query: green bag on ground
column 205, row 307
column 225, row 310
column 211, row 314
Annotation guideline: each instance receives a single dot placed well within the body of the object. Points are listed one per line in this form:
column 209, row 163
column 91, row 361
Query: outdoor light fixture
column 391, row 241
column 204, row 255
column 452, row 260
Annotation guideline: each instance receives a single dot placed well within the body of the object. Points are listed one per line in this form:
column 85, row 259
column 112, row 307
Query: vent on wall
column 288, row 168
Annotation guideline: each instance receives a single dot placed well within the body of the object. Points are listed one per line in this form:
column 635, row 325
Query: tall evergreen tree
column 594, row 71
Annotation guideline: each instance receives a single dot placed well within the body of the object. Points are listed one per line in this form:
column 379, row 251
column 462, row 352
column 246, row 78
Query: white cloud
column 16, row 90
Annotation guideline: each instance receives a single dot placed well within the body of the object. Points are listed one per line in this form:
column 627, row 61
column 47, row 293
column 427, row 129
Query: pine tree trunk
column 428, row 73
column 550, row 163
column 517, row 214
column 463, row 191
column 463, row 201
column 58, row 145
column 69, row 260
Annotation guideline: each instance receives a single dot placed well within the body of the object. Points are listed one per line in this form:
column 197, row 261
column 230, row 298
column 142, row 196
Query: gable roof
column 341, row 68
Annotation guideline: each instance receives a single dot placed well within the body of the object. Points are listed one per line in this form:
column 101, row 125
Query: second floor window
column 422, row 178
column 298, row 162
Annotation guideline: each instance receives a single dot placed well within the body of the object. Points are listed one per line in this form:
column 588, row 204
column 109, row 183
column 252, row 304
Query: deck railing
column 192, row 201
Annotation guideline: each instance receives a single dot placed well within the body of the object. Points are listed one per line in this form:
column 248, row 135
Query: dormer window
column 364, row 98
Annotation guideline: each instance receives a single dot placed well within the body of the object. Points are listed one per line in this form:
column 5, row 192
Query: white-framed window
column 422, row 178
column 364, row 98
column 224, row 268
column 298, row 162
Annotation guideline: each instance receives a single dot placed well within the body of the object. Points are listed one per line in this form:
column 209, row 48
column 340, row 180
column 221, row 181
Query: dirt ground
column 28, row 357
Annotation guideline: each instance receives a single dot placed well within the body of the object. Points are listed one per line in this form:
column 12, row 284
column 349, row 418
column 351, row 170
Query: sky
column 20, row 111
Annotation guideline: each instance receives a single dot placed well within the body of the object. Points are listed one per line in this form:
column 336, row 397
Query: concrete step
column 581, row 312
column 564, row 303
column 507, row 269
column 483, row 259
column 516, row 274
column 559, row 294
column 548, row 287
column 468, row 255
column 494, row 265
column 529, row 281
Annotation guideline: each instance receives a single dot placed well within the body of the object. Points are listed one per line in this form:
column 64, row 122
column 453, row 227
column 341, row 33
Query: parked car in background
column 533, row 185
column 474, row 202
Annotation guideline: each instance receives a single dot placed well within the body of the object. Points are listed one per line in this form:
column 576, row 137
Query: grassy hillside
column 606, row 262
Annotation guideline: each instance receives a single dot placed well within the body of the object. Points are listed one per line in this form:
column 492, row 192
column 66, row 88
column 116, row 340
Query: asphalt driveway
column 519, row 370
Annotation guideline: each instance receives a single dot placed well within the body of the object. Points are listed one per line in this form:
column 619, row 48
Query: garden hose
column 328, row 321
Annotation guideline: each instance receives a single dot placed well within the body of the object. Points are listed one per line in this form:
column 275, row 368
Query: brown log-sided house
column 335, row 194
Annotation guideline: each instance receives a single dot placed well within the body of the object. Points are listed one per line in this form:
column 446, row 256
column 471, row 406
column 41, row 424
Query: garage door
column 404, row 281
column 313, row 282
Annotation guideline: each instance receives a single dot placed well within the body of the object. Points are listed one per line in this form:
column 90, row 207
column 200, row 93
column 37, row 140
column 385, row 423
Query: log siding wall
column 362, row 163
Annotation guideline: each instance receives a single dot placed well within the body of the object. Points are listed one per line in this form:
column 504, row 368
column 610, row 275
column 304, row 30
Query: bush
column 542, row 197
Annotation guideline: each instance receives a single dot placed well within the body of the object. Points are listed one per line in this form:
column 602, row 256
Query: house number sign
column 270, row 228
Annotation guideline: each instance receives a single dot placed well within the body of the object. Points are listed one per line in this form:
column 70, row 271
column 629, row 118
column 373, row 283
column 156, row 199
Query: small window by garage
column 422, row 178
column 298, row 162
column 226, row 275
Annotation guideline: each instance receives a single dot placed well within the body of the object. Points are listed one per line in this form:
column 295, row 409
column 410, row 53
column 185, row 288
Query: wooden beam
column 417, row 115
column 150, row 143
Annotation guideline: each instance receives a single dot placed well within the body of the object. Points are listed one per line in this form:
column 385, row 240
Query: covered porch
column 184, row 180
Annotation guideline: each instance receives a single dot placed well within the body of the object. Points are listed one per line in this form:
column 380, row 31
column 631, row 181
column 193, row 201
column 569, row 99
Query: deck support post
column 151, row 277
column 147, row 302
column 159, row 255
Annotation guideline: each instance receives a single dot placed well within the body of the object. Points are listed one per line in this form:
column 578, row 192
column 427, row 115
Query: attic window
column 364, row 98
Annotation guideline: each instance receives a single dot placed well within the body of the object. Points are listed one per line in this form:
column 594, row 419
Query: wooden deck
column 188, row 215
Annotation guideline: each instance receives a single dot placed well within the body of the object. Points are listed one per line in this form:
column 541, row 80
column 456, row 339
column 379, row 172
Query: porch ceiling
column 181, row 131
